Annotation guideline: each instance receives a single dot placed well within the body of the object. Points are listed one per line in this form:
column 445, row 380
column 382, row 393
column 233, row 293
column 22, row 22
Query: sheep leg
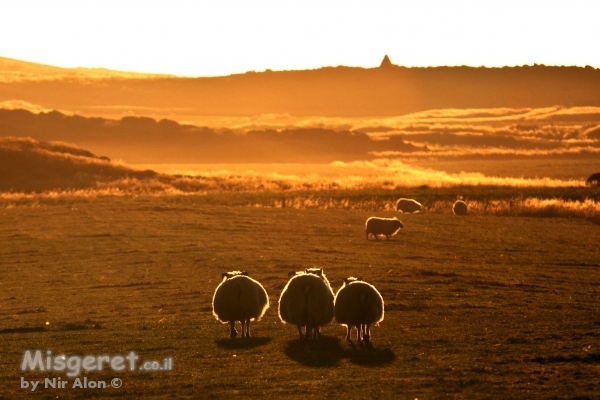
column 299, row 331
column 358, row 332
column 233, row 332
column 367, row 333
column 348, row 333
column 245, row 328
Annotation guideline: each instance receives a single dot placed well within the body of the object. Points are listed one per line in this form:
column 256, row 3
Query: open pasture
column 480, row 306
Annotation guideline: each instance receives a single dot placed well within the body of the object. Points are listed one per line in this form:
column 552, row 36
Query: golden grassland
column 364, row 186
column 478, row 306
column 563, row 203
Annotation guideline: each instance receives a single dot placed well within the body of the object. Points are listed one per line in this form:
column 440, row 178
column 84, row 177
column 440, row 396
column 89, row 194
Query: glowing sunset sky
column 206, row 38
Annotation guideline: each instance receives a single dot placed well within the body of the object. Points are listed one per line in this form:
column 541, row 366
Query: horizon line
column 269, row 70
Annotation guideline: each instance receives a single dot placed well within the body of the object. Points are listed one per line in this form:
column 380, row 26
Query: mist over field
column 469, row 133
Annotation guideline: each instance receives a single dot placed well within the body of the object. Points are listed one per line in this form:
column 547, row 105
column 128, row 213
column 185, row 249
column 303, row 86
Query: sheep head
column 231, row 274
column 314, row 271
column 351, row 279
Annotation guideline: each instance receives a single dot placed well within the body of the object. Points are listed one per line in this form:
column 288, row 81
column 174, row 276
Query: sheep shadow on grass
column 242, row 343
column 324, row 352
column 365, row 354
column 328, row 352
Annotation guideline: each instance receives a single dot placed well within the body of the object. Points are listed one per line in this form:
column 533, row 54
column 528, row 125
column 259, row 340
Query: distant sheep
column 239, row 298
column 358, row 304
column 593, row 180
column 382, row 226
column 307, row 301
column 460, row 208
column 408, row 206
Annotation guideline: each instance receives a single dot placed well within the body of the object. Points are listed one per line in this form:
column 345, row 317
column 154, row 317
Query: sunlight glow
column 231, row 36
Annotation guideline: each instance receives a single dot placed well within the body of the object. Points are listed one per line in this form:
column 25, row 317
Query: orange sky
column 208, row 38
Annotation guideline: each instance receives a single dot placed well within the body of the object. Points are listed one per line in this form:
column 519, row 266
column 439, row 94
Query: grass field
column 482, row 306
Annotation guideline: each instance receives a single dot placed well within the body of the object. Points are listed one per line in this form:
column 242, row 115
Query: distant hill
column 145, row 140
column 31, row 166
column 552, row 131
column 12, row 70
column 332, row 91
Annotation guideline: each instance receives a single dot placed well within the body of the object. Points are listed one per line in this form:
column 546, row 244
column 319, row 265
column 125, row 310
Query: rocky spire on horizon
column 386, row 62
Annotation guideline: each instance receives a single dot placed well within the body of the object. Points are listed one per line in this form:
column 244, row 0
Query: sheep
column 239, row 298
column 408, row 206
column 593, row 180
column 460, row 208
column 382, row 226
column 358, row 304
column 307, row 301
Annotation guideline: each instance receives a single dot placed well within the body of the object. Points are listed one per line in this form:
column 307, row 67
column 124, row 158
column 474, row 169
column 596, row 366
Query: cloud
column 460, row 151
column 465, row 117
column 23, row 105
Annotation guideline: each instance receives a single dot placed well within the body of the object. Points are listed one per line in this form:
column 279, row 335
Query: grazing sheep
column 593, row 180
column 382, row 226
column 239, row 298
column 358, row 304
column 307, row 301
column 460, row 208
column 408, row 206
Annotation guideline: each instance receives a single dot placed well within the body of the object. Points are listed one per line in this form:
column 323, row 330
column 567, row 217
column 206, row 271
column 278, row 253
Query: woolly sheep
column 307, row 301
column 358, row 304
column 239, row 298
column 460, row 208
column 593, row 179
column 382, row 226
column 408, row 206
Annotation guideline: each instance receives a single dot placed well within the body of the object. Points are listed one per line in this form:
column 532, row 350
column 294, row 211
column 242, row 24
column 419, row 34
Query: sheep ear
column 291, row 273
column 321, row 272
column 224, row 275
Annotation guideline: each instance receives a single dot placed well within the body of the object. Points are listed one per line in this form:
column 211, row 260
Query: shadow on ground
column 22, row 330
column 328, row 352
column 365, row 354
column 242, row 343
column 325, row 352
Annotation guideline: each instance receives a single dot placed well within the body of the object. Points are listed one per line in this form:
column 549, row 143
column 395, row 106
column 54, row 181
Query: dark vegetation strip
column 592, row 358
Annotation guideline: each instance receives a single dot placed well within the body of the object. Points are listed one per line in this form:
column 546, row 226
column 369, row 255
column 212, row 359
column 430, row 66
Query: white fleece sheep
column 460, row 208
column 358, row 304
column 239, row 298
column 382, row 226
column 408, row 206
column 307, row 301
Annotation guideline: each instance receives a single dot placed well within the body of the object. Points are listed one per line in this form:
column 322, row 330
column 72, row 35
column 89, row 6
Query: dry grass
column 500, row 201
